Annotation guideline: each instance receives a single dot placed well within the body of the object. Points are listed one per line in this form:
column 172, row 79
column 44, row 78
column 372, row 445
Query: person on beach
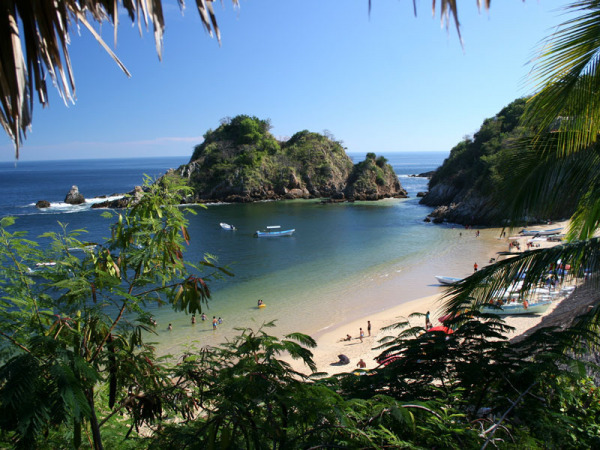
column 369, row 327
column 193, row 319
column 220, row 321
column 343, row 359
column 170, row 327
column 203, row 317
column 361, row 335
column 214, row 323
column 347, row 338
column 361, row 364
column 260, row 302
column 475, row 267
column 428, row 324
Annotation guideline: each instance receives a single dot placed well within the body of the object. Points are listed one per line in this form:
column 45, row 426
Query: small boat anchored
column 518, row 308
column 274, row 231
column 226, row 226
column 447, row 280
column 550, row 232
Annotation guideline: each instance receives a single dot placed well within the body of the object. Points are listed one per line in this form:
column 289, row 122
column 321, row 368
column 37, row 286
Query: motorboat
column 448, row 280
column 274, row 231
column 518, row 308
column 226, row 226
column 550, row 232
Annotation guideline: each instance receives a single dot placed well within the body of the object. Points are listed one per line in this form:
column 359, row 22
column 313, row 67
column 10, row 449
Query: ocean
column 344, row 260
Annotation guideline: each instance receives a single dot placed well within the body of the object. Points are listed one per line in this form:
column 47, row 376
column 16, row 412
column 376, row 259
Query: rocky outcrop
column 462, row 207
column 130, row 199
column 373, row 179
column 42, row 204
column 424, row 174
column 242, row 162
column 74, row 197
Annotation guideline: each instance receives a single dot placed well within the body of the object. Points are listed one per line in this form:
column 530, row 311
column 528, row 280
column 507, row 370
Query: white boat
column 550, row 232
column 226, row 226
column 447, row 280
column 274, row 231
column 518, row 308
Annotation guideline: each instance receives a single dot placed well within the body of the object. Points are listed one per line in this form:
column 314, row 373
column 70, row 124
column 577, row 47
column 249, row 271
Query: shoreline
column 331, row 343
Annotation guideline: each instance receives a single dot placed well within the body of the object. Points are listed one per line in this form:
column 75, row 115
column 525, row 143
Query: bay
column 309, row 281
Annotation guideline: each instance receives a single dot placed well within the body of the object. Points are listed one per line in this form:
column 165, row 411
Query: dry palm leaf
column 33, row 45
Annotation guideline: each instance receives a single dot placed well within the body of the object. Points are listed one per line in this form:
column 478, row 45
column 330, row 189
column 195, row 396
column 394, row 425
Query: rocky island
column 241, row 161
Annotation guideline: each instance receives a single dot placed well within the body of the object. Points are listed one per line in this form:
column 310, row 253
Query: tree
column 72, row 329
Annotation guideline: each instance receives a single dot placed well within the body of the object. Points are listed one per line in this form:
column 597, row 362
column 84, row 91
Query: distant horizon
column 381, row 80
column 348, row 152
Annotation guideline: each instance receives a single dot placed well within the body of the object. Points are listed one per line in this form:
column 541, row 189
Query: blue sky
column 381, row 83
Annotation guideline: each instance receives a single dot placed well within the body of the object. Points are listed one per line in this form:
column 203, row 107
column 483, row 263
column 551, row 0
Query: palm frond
column 586, row 219
column 568, row 80
column 34, row 43
column 540, row 182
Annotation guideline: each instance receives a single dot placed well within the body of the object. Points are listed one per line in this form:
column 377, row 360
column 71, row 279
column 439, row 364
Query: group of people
column 203, row 317
column 343, row 360
column 361, row 333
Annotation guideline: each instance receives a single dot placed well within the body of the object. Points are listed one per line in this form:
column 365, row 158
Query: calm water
column 309, row 281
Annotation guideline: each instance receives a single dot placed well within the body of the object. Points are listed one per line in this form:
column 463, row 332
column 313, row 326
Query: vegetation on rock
column 468, row 186
column 241, row 161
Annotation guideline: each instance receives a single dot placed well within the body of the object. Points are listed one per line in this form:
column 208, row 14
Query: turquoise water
column 315, row 278
column 345, row 260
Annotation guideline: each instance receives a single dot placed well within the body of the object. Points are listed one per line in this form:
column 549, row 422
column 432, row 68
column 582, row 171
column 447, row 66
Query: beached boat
column 550, row 232
column 226, row 226
column 274, row 231
column 447, row 280
column 518, row 308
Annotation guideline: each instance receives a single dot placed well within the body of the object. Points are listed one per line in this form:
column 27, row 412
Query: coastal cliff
column 467, row 187
column 241, row 161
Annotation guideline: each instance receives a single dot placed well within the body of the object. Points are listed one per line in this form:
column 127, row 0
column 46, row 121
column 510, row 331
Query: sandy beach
column 331, row 343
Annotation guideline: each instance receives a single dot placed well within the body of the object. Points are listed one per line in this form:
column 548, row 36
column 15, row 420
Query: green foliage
column 370, row 174
column 63, row 329
column 473, row 160
column 381, row 161
column 242, row 158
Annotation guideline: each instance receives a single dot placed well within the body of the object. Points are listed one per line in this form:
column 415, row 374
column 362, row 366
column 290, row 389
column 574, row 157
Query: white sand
column 331, row 343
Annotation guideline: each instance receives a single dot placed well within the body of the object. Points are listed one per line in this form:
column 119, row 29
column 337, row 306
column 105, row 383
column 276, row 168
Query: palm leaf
column 539, row 181
column 568, row 80
column 492, row 281
column 34, row 38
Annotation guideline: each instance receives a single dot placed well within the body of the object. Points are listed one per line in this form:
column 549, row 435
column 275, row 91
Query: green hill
column 468, row 187
column 241, row 161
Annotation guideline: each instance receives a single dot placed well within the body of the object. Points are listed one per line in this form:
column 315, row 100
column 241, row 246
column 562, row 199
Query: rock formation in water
column 241, row 161
column 129, row 199
column 42, row 204
column 74, row 197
